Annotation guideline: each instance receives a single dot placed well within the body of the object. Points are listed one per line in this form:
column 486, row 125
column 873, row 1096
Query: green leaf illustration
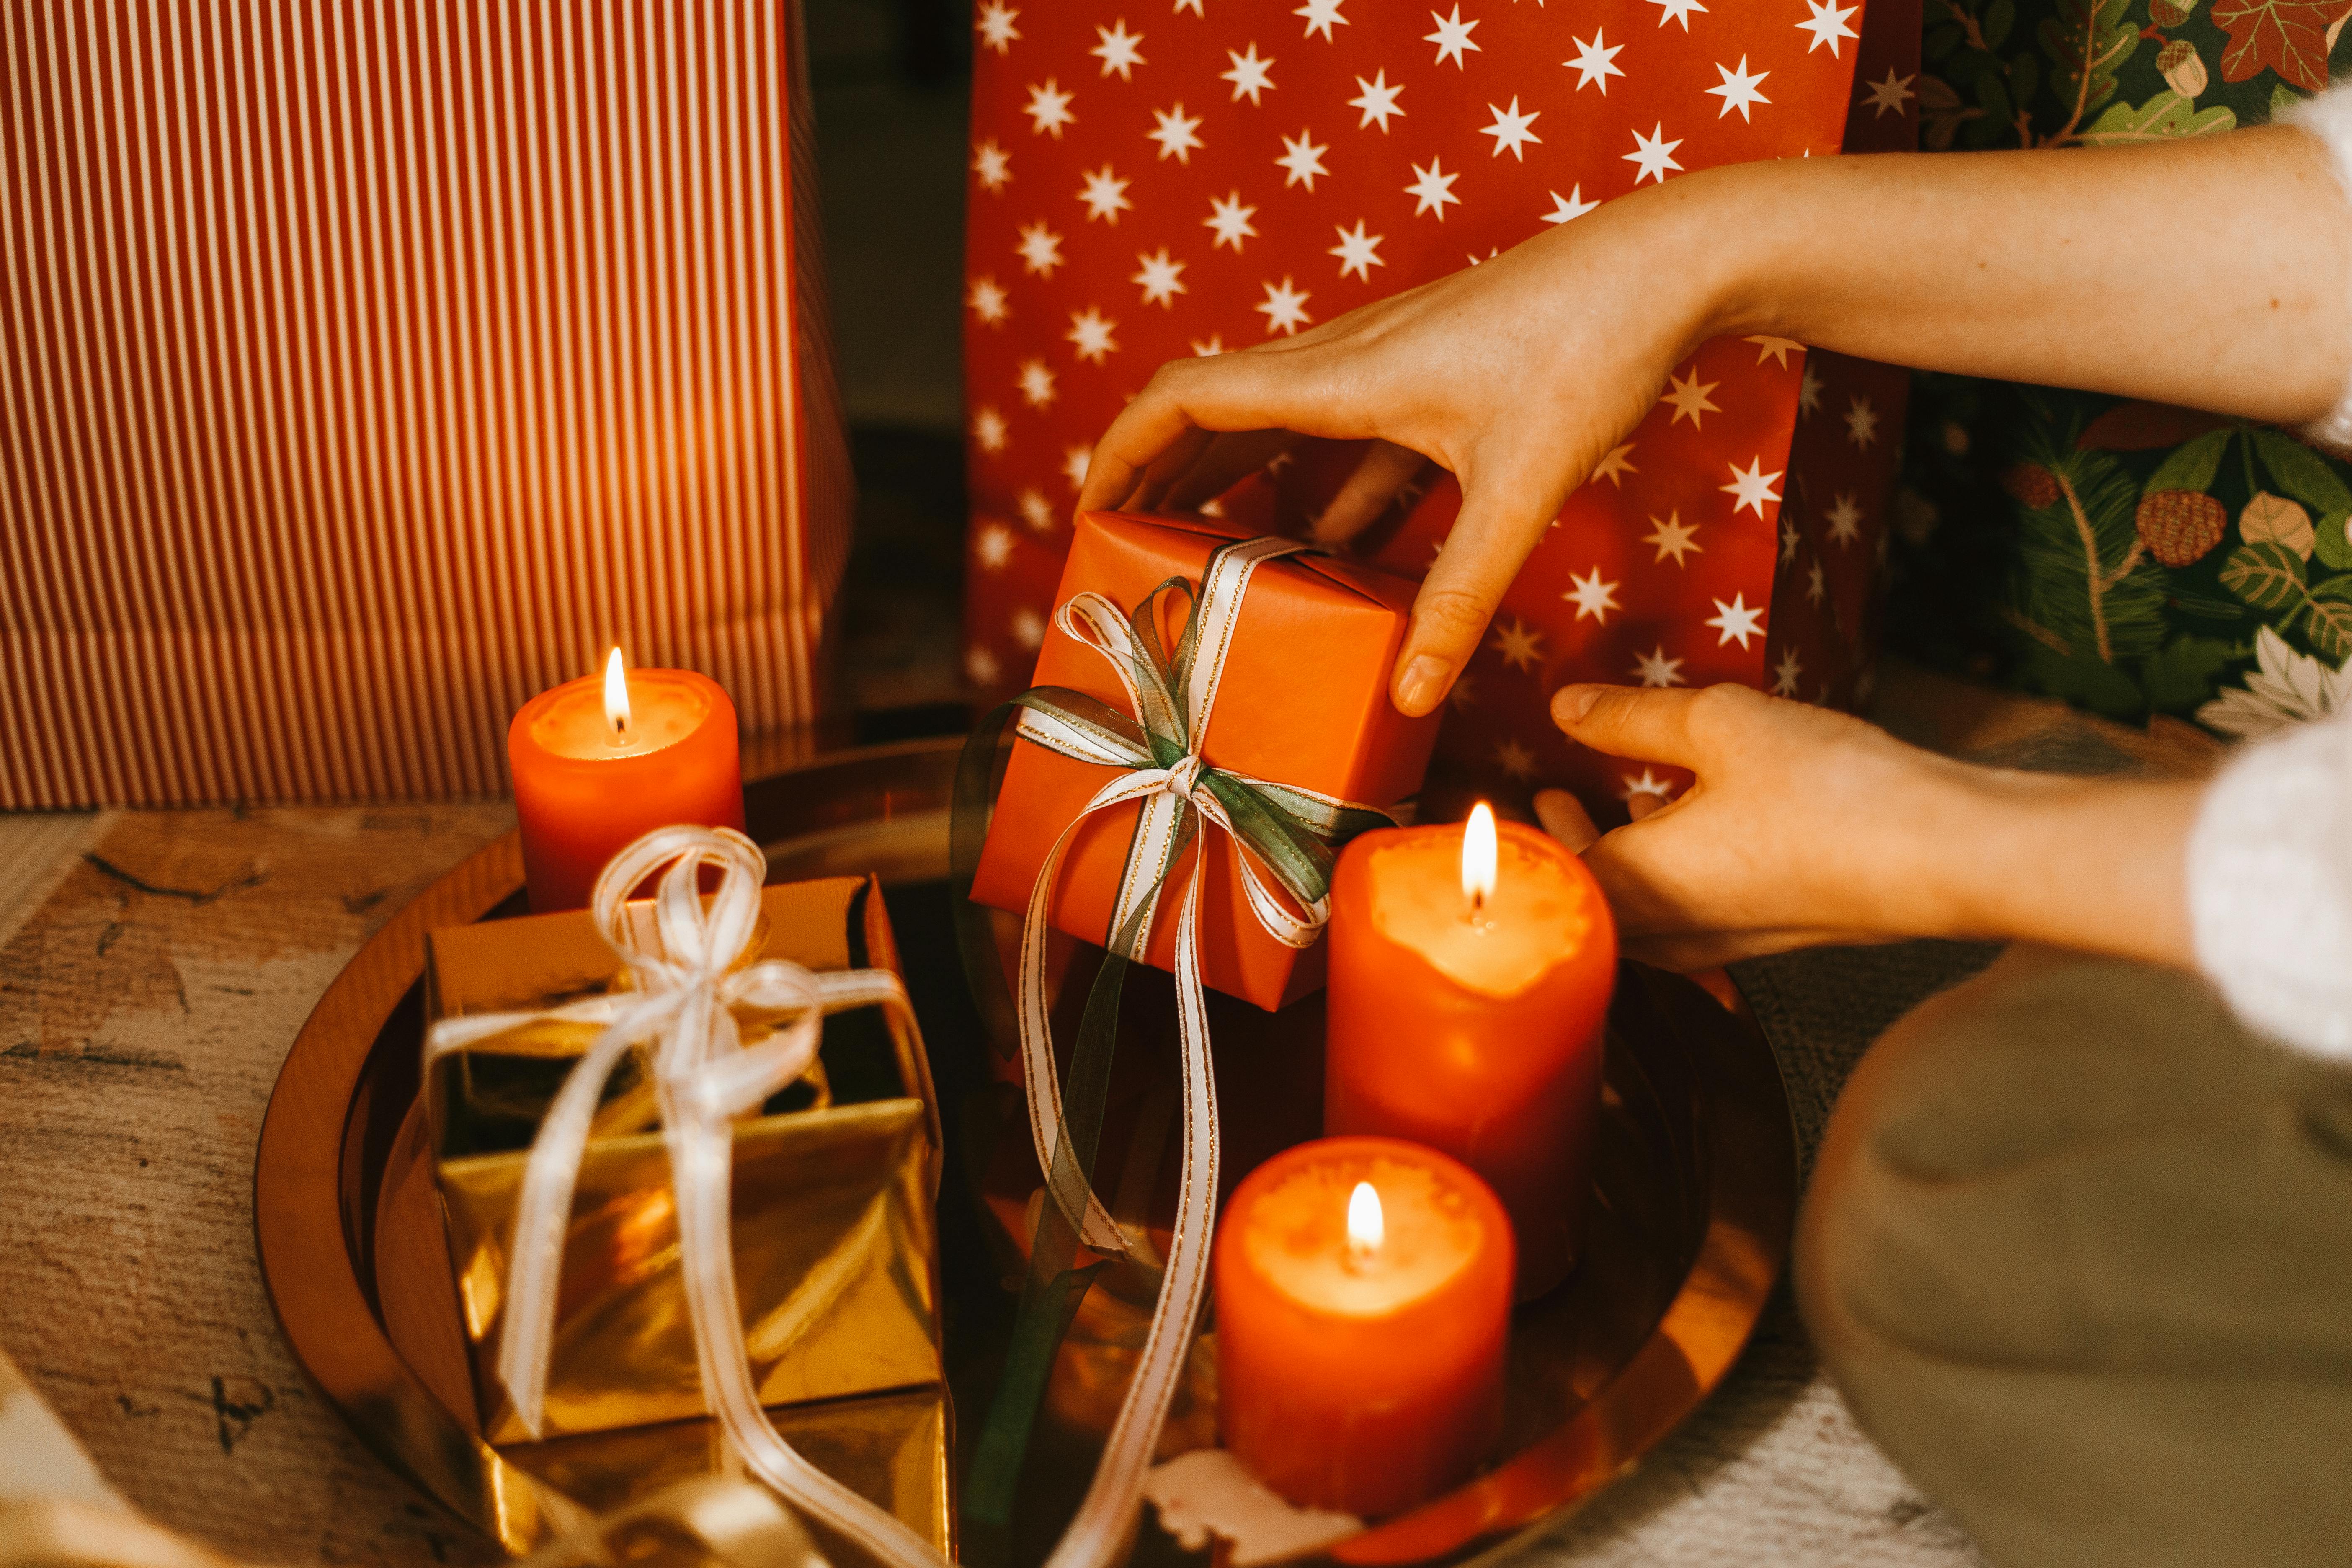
column 2283, row 98
column 2081, row 572
column 1999, row 17
column 2192, row 465
column 2187, row 670
column 2087, row 41
column 2162, row 118
column 2331, row 545
column 2303, row 473
column 2329, row 628
column 2267, row 575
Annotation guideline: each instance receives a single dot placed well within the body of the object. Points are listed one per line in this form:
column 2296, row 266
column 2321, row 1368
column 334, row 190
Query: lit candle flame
column 1478, row 856
column 616, row 696
column 1366, row 1228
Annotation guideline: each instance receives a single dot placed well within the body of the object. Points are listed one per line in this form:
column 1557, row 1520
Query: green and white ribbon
column 1285, row 836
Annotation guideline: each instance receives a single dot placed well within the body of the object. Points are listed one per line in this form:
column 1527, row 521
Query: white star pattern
column 1592, row 64
column 1248, row 75
column 1750, row 488
column 1592, row 596
column 1510, row 130
column 988, row 429
column 1649, row 783
column 1738, row 88
column 1037, row 382
column 1789, row 539
column 1892, row 93
column 1677, row 11
column 1040, row 248
column 1654, row 154
column 1861, row 422
column 1283, row 309
column 1231, row 220
column 1655, row 669
column 1521, row 647
column 1565, row 209
column 1209, row 347
column 1174, row 134
column 1091, row 334
column 993, row 545
column 1844, row 519
column 1105, row 196
column 1777, row 350
column 986, row 298
column 1434, row 187
column 1192, row 6
column 1688, row 394
column 1463, row 695
column 1303, row 160
column 1049, row 109
column 1074, row 465
column 1785, row 673
column 980, row 666
column 1809, row 392
column 991, row 164
column 1738, row 620
column 1028, row 627
column 1674, row 537
column 1117, row 50
column 1037, row 511
column 1453, row 36
column 1614, row 467
column 1162, row 279
column 994, row 25
column 1321, row 15
column 1827, row 24
column 1378, row 100
column 1816, row 585
column 1357, row 252
column 1517, row 759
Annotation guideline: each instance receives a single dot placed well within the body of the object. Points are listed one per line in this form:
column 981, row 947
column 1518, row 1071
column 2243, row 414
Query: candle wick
column 621, row 731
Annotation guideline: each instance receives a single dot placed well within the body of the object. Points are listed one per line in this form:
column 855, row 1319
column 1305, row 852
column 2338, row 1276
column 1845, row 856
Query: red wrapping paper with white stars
column 1150, row 180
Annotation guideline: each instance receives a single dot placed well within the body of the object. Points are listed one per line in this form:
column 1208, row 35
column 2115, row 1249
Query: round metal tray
column 1694, row 1179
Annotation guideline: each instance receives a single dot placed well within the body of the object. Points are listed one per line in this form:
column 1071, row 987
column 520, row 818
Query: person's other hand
column 1804, row 826
column 1518, row 375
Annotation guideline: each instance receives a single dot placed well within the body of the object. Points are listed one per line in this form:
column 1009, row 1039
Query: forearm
column 2096, row 865
column 2215, row 273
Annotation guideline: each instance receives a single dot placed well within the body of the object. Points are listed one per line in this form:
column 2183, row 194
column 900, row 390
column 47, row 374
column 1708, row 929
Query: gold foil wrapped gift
column 832, row 1219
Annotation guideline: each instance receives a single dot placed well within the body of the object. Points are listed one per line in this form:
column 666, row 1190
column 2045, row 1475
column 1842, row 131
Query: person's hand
column 1518, row 376
column 1807, row 827
column 1804, row 826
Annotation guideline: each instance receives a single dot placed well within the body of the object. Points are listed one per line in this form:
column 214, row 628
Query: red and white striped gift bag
column 366, row 367
column 1149, row 182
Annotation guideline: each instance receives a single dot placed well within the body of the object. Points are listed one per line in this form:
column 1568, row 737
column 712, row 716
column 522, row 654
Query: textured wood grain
column 144, row 1009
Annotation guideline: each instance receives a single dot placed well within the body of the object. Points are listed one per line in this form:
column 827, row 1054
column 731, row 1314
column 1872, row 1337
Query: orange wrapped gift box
column 1303, row 702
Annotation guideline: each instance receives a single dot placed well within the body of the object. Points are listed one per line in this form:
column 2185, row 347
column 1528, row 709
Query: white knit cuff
column 2270, row 886
column 2328, row 117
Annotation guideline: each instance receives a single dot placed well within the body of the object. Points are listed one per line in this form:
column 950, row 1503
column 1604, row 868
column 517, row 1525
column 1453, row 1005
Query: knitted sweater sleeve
column 2328, row 117
column 2270, row 885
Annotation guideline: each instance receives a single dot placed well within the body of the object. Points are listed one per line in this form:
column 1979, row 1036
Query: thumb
column 1647, row 725
column 1489, row 544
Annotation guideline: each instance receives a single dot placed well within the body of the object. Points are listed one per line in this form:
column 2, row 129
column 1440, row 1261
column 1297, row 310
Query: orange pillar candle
column 1471, row 969
column 1363, row 1301
column 599, row 762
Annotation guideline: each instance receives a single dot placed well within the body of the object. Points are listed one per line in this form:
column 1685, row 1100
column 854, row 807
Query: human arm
column 1808, row 827
column 1518, row 375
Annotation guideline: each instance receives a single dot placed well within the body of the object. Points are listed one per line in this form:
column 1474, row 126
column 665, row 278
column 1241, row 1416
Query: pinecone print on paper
column 1159, row 181
column 2180, row 526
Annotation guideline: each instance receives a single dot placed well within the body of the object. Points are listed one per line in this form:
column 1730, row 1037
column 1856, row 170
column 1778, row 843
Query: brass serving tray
column 1695, row 1177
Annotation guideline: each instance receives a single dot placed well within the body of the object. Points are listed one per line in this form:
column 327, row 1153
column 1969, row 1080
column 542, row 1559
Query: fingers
column 1244, row 391
column 1484, row 553
column 1564, row 818
column 1370, row 491
column 1673, row 725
